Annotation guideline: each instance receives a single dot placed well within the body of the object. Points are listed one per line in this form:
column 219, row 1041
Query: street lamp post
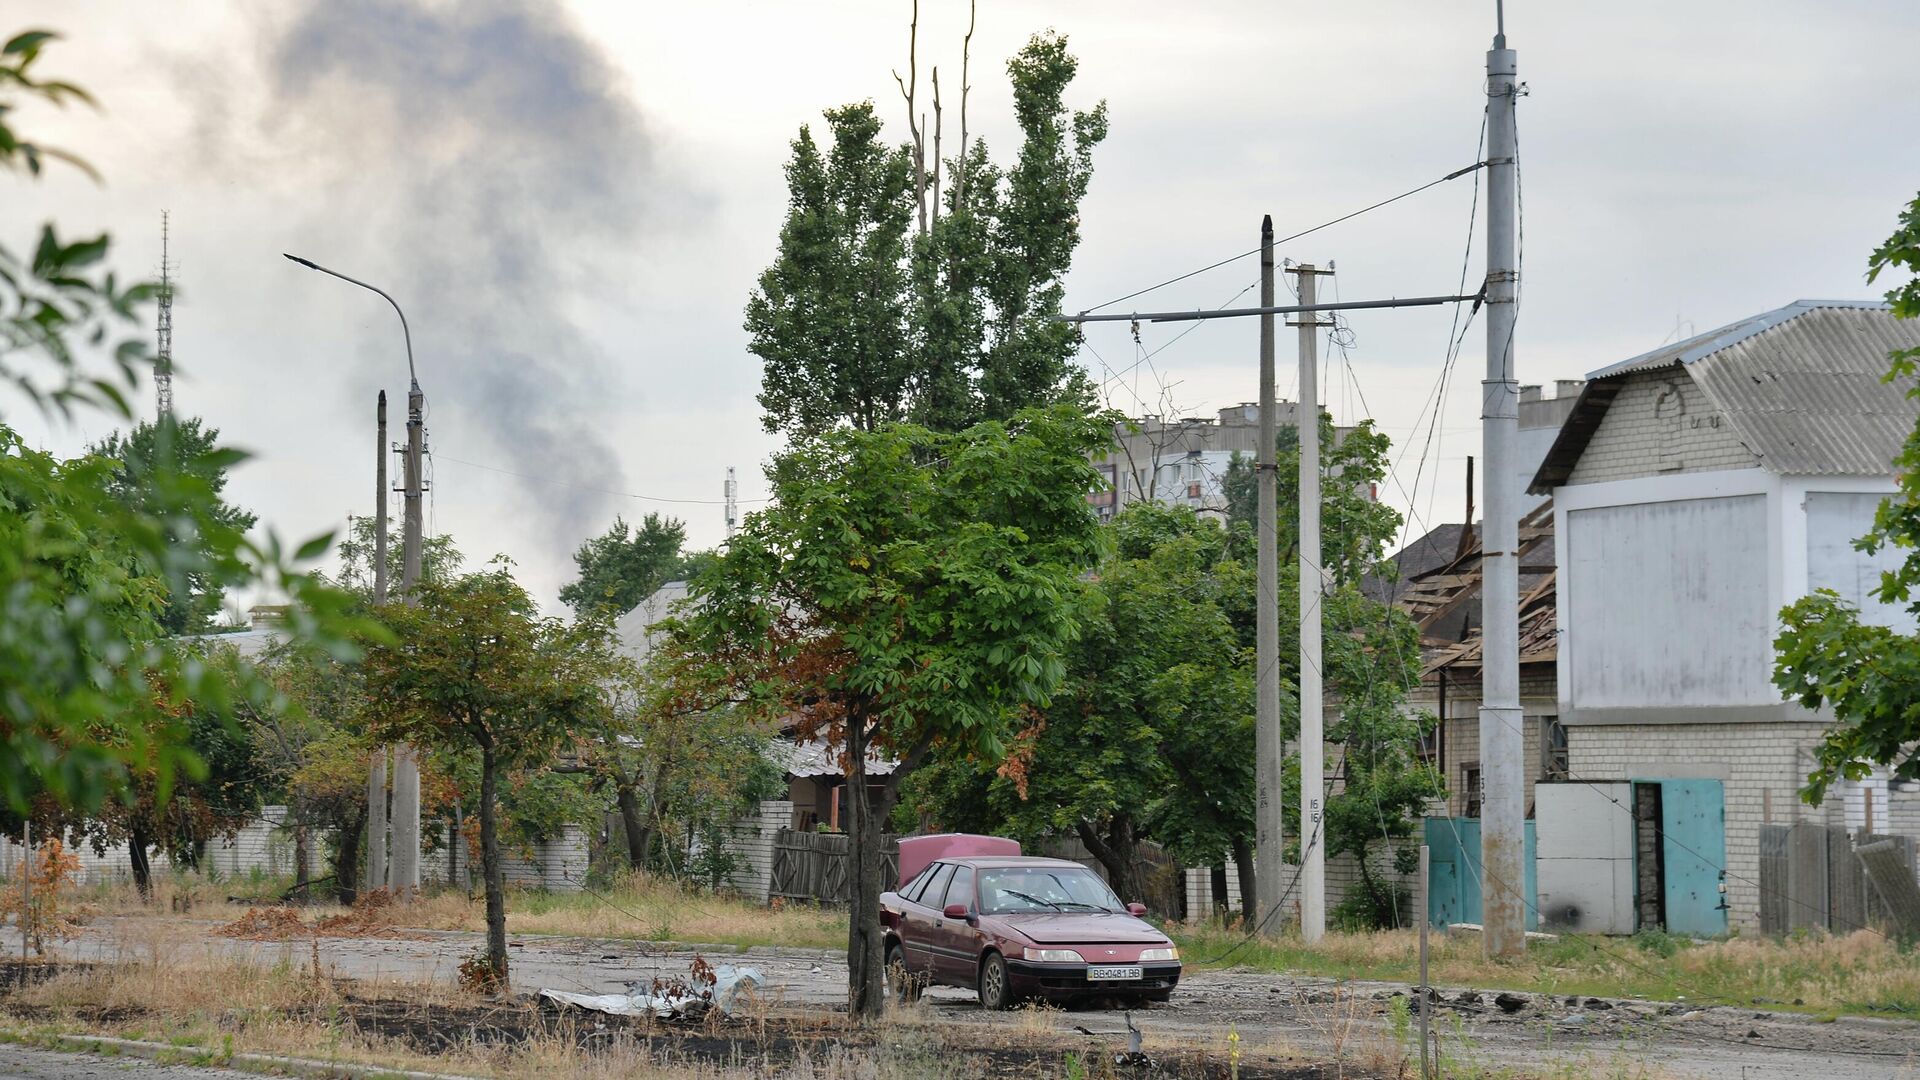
column 404, row 866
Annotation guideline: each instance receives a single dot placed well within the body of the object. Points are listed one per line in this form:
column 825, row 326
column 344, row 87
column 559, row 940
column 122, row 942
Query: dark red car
column 1011, row 927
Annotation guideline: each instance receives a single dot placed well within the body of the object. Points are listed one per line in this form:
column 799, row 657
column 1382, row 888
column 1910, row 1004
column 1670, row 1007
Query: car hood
column 1080, row 927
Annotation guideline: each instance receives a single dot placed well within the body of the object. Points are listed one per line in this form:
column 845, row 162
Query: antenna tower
column 163, row 360
column 733, row 502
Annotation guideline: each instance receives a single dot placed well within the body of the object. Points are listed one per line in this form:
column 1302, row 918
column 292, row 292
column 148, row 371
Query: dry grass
column 642, row 907
column 1863, row 973
column 635, row 906
column 211, row 1007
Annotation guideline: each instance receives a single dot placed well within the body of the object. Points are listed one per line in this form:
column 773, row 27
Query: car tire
column 996, row 989
column 903, row 983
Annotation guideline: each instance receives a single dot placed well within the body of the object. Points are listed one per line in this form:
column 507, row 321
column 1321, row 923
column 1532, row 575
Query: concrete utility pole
column 1269, row 834
column 377, row 774
column 406, row 765
column 1313, row 585
column 1502, row 777
column 404, row 865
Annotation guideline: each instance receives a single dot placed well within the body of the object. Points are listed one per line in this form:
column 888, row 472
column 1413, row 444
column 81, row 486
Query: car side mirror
column 1136, row 909
column 955, row 911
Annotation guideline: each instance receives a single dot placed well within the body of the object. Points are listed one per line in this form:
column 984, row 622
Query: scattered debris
column 266, row 924
column 1510, row 1003
column 707, row 989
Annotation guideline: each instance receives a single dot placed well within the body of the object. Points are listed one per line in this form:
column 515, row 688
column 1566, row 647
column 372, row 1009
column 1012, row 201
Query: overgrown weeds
column 1863, row 973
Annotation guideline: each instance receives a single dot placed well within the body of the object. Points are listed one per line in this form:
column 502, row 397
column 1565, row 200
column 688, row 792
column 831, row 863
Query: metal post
column 1313, row 585
column 26, row 890
column 377, row 772
column 406, row 766
column 405, row 864
column 380, row 495
column 1269, row 778
column 1422, row 991
column 1503, row 807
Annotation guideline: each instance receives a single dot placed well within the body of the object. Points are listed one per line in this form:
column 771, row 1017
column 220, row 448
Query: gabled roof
column 1803, row 386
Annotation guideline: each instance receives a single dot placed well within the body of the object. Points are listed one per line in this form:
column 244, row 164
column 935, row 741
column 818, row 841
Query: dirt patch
column 266, row 924
column 371, row 916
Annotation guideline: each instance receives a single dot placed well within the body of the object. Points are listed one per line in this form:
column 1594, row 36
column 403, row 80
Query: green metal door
column 1693, row 852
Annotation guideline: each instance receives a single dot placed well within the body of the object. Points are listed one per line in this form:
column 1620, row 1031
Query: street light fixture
column 405, row 866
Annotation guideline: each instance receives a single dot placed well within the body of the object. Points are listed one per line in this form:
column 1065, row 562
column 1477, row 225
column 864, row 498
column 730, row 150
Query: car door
column 920, row 917
column 955, row 943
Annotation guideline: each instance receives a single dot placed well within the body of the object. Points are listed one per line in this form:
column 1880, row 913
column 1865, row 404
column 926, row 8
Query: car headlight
column 1053, row 956
column 1149, row 955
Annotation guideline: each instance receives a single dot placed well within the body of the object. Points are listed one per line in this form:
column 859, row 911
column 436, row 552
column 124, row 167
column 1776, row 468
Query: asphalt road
column 20, row 1063
column 1271, row 1013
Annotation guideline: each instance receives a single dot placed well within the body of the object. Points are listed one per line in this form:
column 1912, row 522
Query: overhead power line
column 1456, row 174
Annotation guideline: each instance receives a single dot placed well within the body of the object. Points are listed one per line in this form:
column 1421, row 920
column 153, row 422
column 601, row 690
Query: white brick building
column 1697, row 489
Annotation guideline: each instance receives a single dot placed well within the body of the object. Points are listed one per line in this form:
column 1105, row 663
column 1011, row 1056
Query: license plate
column 1113, row 972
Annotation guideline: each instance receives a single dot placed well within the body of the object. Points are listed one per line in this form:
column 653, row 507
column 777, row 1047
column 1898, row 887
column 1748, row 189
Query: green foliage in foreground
column 1826, row 657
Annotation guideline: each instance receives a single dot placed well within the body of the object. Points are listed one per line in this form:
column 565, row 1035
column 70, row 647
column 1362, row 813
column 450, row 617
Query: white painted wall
column 1669, row 603
column 1834, row 520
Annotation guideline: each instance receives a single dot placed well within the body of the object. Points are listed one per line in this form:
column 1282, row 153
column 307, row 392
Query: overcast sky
column 572, row 200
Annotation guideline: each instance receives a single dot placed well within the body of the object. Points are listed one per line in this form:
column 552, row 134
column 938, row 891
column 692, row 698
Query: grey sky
column 574, row 206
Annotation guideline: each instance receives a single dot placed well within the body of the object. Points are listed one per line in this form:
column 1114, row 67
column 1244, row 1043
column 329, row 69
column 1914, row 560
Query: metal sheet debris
column 648, row 999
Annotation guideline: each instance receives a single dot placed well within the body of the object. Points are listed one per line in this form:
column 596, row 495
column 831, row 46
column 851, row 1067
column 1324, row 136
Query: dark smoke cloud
column 493, row 163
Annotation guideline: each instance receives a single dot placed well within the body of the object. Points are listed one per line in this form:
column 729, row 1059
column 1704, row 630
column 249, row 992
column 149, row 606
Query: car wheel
column 903, row 983
column 996, row 992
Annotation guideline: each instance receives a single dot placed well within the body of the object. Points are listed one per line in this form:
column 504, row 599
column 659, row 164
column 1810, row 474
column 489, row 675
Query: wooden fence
column 1811, row 879
column 815, row 866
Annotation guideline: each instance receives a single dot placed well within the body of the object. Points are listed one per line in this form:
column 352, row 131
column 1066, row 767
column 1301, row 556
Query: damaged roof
column 1803, row 387
column 1444, row 601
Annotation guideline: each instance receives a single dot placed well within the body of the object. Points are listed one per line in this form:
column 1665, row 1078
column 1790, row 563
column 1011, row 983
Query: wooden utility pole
column 1503, row 776
column 1270, row 847
column 1313, row 587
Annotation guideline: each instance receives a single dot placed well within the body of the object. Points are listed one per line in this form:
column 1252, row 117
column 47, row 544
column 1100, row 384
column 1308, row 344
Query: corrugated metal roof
column 1808, row 393
column 1802, row 385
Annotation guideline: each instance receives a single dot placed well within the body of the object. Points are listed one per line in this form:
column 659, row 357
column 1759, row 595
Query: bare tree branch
column 908, row 89
column 966, row 55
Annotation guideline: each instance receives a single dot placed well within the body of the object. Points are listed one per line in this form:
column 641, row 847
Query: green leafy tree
column 143, row 458
column 94, row 701
column 311, row 743
column 865, row 320
column 475, row 669
column 682, row 757
column 439, row 558
column 1825, row 657
column 624, row 565
column 906, row 589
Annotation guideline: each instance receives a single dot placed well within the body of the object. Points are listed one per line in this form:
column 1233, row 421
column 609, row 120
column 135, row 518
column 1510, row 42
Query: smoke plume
column 486, row 157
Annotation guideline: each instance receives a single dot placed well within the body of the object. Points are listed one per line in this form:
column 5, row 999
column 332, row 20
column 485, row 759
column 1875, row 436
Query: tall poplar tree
column 874, row 313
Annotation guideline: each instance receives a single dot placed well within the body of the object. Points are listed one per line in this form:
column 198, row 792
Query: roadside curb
column 168, row 1054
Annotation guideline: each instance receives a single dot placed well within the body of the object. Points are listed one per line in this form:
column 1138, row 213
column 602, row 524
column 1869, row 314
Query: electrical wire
column 1473, row 168
column 603, row 491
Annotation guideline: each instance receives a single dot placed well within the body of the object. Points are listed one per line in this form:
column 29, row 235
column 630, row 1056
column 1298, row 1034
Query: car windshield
column 1011, row 890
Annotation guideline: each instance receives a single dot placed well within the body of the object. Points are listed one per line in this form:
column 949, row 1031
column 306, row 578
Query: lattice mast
column 163, row 330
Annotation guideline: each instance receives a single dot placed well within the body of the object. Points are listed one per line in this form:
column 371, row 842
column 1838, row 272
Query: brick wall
column 1760, row 765
column 1660, row 423
column 751, row 840
column 262, row 846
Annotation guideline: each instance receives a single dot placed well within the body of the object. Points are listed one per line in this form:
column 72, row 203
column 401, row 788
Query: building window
column 1470, row 788
column 1555, row 762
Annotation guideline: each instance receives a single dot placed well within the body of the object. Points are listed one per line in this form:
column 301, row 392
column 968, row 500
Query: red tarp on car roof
column 917, row 851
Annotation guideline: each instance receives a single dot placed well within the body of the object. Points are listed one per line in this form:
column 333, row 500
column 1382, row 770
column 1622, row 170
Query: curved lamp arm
column 404, row 331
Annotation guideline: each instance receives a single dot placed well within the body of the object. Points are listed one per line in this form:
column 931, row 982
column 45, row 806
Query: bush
column 1369, row 907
